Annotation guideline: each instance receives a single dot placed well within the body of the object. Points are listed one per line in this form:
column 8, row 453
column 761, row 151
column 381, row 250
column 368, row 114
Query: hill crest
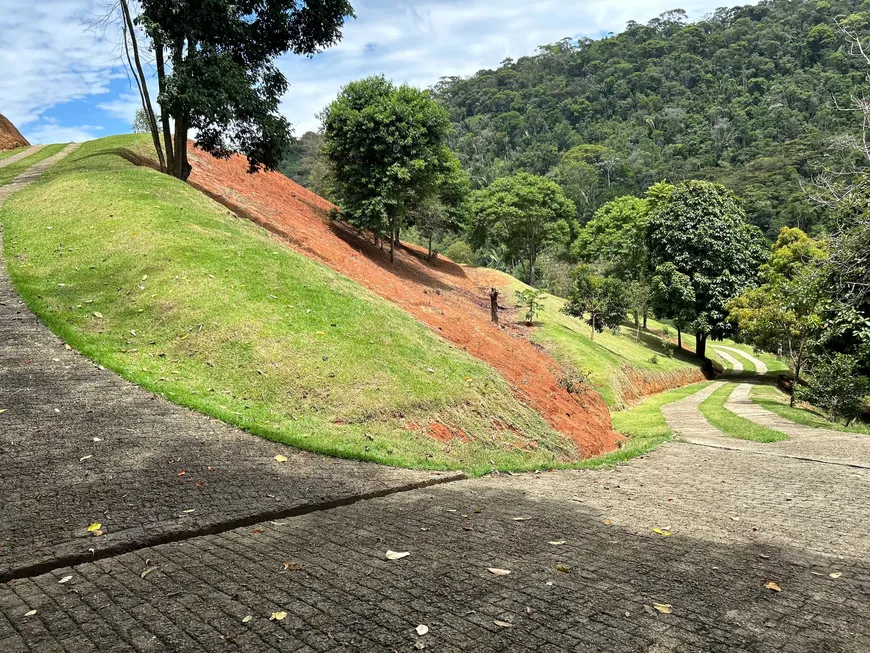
column 10, row 137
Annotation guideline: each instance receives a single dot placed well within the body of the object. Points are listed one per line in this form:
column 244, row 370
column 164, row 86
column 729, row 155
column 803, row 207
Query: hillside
column 151, row 278
column 10, row 137
column 743, row 96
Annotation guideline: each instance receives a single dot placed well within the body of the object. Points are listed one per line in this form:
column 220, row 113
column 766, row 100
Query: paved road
column 681, row 550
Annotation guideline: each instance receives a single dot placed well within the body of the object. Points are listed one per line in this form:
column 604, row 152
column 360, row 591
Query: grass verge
column 776, row 401
column 155, row 281
column 9, row 173
column 733, row 425
column 6, row 153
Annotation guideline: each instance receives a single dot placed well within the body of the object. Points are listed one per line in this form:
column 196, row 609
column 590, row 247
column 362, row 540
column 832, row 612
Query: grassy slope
column 645, row 421
column 605, row 358
column 732, row 425
column 152, row 279
column 6, row 153
column 775, row 401
column 10, row 172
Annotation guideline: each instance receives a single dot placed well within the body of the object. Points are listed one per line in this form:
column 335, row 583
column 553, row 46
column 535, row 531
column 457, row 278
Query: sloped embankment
column 10, row 137
column 438, row 294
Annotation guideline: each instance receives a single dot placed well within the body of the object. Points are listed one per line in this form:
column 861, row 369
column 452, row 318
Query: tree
column 216, row 72
column 532, row 301
column 837, row 387
column 602, row 301
column 785, row 315
column 140, row 122
column 701, row 230
column 525, row 213
column 673, row 297
column 386, row 147
column 448, row 208
column 615, row 238
column 639, row 295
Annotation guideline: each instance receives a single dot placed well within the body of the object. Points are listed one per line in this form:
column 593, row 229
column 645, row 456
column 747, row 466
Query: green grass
column 612, row 362
column 776, row 401
column 733, row 425
column 6, row 153
column 157, row 282
column 10, row 172
column 645, row 422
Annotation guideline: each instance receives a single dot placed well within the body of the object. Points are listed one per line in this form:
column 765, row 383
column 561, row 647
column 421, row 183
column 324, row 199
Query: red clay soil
column 10, row 137
column 439, row 293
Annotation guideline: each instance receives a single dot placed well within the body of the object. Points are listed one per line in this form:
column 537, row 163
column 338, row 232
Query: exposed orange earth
column 441, row 294
column 10, row 137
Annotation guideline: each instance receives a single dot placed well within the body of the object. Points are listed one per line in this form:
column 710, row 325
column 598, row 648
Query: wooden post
column 493, row 304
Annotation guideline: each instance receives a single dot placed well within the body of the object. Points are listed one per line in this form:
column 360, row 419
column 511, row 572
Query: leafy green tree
column 701, row 231
column 785, row 315
column 140, row 122
column 673, row 297
column 216, row 72
column 386, row 147
column 837, row 387
column 302, row 157
column 615, row 238
column 447, row 210
column 601, row 301
column 525, row 213
column 531, row 301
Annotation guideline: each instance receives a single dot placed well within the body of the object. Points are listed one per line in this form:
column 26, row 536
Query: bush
column 836, row 388
column 532, row 301
column 460, row 252
column 654, row 360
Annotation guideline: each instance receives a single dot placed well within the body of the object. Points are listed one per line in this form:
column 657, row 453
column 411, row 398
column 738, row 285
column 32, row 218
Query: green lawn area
column 776, row 401
column 10, row 172
column 155, row 281
column 644, row 423
column 6, row 153
column 605, row 359
column 732, row 425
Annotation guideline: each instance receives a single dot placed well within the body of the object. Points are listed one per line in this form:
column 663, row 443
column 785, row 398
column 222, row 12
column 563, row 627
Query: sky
column 63, row 81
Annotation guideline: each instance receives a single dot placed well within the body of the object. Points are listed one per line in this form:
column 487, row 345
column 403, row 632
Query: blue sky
column 61, row 82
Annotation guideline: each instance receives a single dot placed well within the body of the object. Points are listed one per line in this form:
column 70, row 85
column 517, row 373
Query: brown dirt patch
column 445, row 433
column 10, row 137
column 439, row 293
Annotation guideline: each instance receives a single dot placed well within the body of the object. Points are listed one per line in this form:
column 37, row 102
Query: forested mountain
column 752, row 96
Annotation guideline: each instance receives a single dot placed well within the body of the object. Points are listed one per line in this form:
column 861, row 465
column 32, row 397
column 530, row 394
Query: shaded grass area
column 776, row 401
column 733, row 425
column 10, row 172
column 153, row 280
column 606, row 359
column 645, row 422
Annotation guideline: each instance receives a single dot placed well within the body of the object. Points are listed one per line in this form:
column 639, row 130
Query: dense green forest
column 753, row 97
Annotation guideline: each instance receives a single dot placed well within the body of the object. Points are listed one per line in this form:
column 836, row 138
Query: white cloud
column 50, row 131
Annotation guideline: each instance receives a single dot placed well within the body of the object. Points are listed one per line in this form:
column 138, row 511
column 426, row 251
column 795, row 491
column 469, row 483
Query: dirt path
column 15, row 158
column 79, row 445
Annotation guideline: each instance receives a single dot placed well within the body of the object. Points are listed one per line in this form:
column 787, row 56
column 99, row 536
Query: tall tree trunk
column 493, row 305
column 701, row 345
column 393, row 240
column 141, row 81
column 679, row 338
column 164, row 115
column 644, row 318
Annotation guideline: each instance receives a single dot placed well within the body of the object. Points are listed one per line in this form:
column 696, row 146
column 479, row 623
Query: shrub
column 460, row 252
column 532, row 301
column 836, row 388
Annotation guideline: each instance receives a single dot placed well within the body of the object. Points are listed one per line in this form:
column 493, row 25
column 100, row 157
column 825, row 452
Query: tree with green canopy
column 785, row 314
column 601, row 301
column 524, row 213
column 216, row 72
column 386, row 147
column 701, row 230
column 615, row 238
column 673, row 297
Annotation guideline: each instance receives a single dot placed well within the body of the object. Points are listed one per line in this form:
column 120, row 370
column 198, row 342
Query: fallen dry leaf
column 773, row 586
column 278, row 616
column 94, row 527
column 498, row 572
column 65, row 579
column 30, row 613
column 836, row 574
column 503, row 624
column 521, row 518
column 607, row 522
column 563, row 569
column 98, row 314
column 146, row 572
column 662, row 532
column 247, row 619
column 557, row 542
column 422, row 630
column 3, row 410
column 664, row 608
column 397, row 555
column 281, row 459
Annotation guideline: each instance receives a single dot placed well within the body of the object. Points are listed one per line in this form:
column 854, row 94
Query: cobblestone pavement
column 79, row 445
column 760, row 367
column 15, row 158
column 586, row 569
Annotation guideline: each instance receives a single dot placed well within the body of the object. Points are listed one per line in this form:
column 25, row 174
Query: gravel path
column 15, row 158
column 79, row 446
